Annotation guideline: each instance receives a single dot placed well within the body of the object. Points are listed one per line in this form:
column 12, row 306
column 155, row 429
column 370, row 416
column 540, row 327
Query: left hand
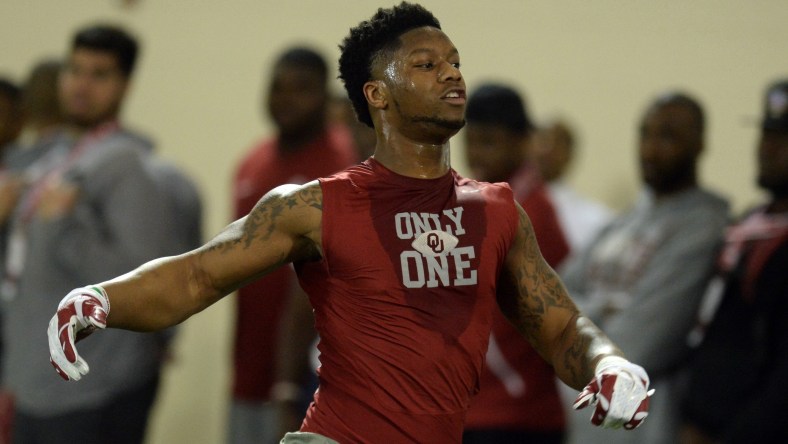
column 620, row 392
column 80, row 313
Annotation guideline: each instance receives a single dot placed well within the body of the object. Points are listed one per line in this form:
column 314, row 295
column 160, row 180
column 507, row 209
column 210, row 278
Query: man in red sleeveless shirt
column 404, row 262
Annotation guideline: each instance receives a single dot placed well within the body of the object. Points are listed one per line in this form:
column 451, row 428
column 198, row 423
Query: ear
column 376, row 93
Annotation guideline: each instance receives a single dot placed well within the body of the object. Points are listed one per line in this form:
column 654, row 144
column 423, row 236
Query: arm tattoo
column 575, row 357
column 539, row 291
column 311, row 196
column 264, row 213
column 260, row 223
column 537, row 283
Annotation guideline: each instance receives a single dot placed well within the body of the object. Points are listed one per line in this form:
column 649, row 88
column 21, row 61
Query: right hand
column 80, row 313
column 620, row 393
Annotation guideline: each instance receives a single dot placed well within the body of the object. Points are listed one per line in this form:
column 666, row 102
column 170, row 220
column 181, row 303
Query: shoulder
column 292, row 209
column 498, row 198
column 297, row 200
column 495, row 193
column 125, row 140
column 712, row 201
column 704, row 211
column 354, row 175
column 122, row 146
column 309, row 194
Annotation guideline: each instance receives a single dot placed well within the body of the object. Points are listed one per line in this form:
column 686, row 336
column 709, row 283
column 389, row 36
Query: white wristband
column 610, row 361
column 94, row 290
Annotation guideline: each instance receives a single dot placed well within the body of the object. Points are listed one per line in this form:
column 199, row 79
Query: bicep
column 530, row 293
column 283, row 227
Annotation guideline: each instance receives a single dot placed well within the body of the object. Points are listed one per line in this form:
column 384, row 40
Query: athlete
column 403, row 260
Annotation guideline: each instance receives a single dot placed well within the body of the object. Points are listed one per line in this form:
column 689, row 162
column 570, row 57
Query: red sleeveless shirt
column 403, row 301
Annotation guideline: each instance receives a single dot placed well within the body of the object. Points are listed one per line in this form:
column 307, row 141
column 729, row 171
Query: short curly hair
column 371, row 38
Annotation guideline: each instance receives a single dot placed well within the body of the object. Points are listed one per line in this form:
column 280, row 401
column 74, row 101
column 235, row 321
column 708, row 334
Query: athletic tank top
column 403, row 301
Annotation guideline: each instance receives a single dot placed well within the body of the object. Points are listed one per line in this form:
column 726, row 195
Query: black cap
column 498, row 104
column 775, row 117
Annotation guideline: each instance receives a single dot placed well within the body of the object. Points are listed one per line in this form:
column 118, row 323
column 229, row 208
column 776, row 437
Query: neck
column 81, row 129
column 413, row 159
column 677, row 185
column 422, row 153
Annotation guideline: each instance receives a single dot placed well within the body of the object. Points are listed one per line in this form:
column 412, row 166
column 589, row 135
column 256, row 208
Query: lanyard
column 17, row 241
column 30, row 204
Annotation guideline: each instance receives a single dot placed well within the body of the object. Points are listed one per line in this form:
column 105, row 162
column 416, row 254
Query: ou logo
column 434, row 243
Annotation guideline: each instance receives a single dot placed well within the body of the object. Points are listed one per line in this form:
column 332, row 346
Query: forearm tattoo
column 540, row 291
column 538, row 284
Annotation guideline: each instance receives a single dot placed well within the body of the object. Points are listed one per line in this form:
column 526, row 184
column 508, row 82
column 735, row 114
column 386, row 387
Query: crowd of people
column 478, row 309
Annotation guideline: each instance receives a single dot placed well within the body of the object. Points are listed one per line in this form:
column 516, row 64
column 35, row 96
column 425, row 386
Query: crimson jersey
column 403, row 300
column 262, row 302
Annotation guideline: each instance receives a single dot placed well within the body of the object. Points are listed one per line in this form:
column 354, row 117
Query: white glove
column 620, row 392
column 80, row 313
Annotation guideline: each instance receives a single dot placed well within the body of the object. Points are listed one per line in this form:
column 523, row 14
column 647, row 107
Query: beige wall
column 596, row 63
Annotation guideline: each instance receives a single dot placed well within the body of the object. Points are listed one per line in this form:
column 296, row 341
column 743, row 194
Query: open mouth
column 455, row 97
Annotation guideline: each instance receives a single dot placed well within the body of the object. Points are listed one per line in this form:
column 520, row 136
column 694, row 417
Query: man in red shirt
column 518, row 400
column 403, row 260
column 304, row 148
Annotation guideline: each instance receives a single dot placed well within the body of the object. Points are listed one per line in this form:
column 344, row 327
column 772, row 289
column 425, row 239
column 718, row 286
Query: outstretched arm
column 283, row 227
column 533, row 298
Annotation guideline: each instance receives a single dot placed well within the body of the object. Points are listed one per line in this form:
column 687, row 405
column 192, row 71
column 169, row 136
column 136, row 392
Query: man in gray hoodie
column 92, row 209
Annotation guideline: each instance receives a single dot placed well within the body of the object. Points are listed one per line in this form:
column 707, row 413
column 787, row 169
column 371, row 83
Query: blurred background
column 197, row 92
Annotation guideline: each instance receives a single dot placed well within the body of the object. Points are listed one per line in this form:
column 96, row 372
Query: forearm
column 533, row 298
column 549, row 319
column 578, row 350
column 160, row 294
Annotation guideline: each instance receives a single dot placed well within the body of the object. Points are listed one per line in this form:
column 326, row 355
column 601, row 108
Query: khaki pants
column 306, row 438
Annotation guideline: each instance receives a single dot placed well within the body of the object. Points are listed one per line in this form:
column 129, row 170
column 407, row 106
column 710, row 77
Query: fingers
column 62, row 349
column 79, row 313
column 97, row 315
column 587, row 396
column 639, row 416
column 641, row 413
column 59, row 371
column 621, row 401
column 62, row 354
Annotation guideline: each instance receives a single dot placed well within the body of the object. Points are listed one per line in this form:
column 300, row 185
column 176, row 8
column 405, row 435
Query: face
column 494, row 152
column 669, row 147
column 297, row 99
column 552, row 152
column 426, row 88
column 91, row 87
column 773, row 162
